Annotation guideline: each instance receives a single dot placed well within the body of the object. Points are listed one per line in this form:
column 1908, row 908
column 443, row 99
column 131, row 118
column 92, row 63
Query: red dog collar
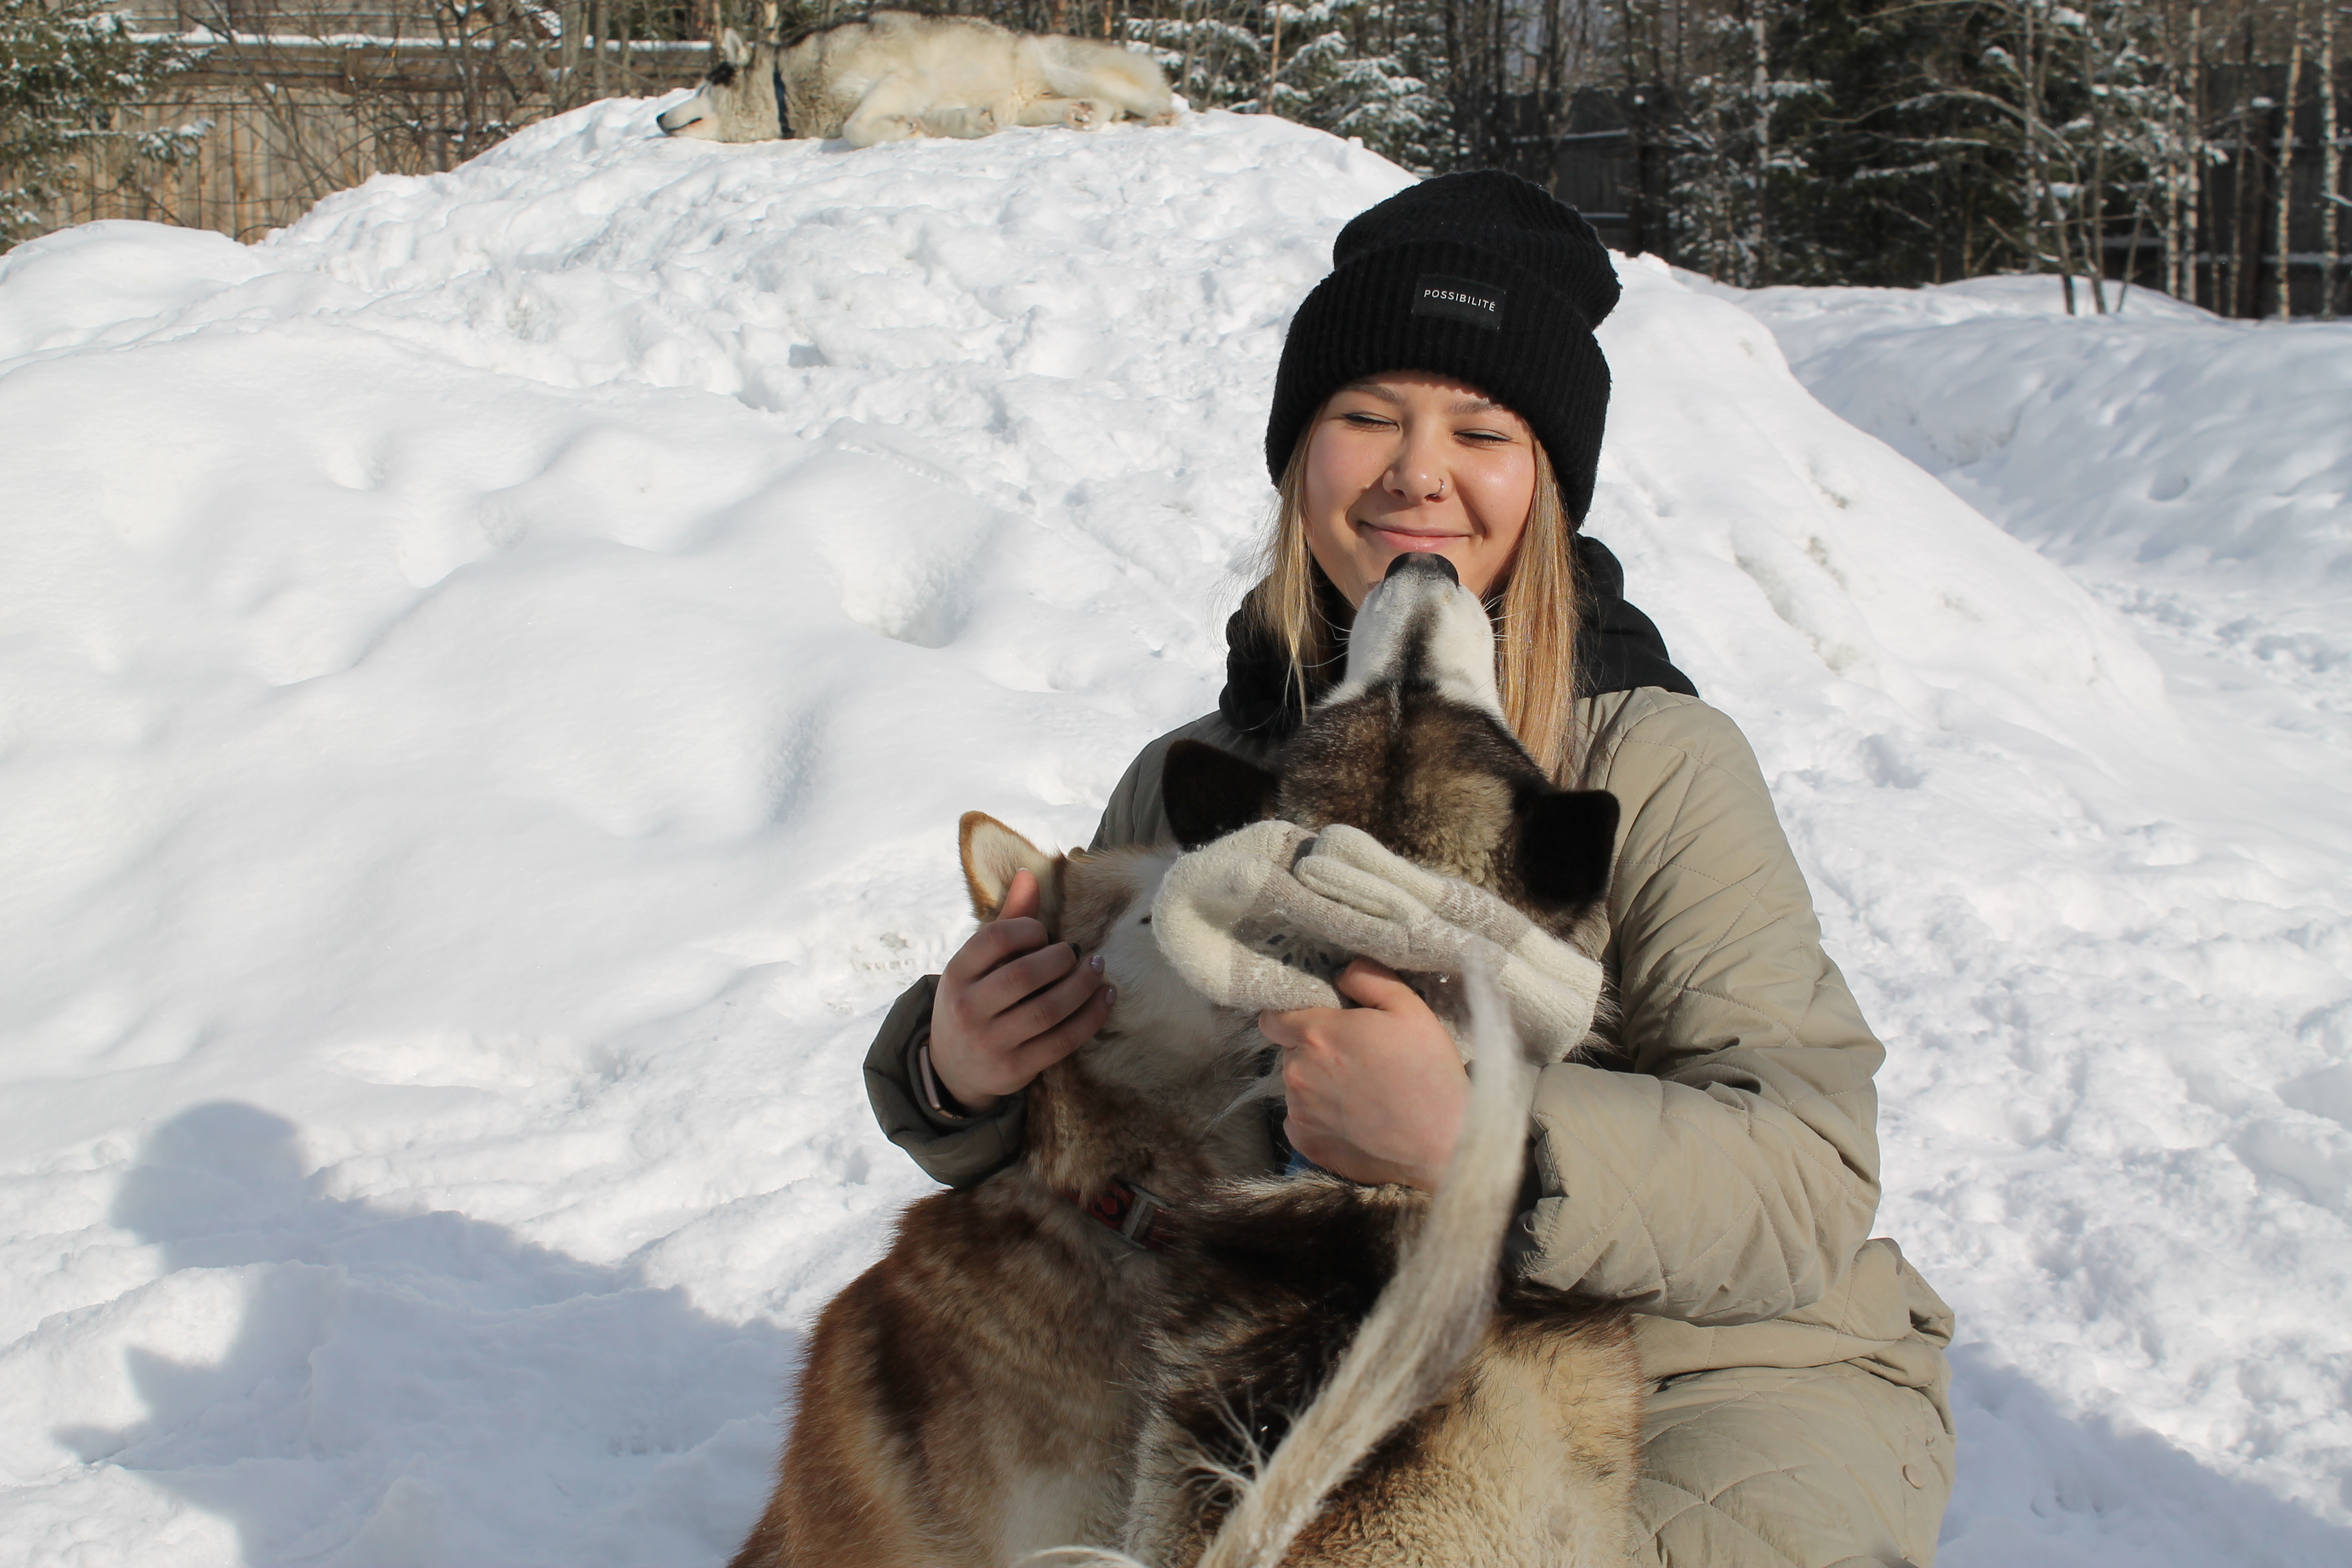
column 1141, row 1218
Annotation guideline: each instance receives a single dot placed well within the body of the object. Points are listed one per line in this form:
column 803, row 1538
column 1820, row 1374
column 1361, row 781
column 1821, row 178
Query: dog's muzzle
column 682, row 120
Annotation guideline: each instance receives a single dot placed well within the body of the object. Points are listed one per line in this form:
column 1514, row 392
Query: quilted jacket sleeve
column 1732, row 1175
column 958, row 1151
column 963, row 1151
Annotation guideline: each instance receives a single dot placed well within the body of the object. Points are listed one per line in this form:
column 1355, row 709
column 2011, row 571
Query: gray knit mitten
column 1239, row 930
column 1427, row 920
column 1267, row 917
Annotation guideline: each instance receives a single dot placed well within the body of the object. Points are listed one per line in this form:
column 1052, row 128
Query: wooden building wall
column 275, row 120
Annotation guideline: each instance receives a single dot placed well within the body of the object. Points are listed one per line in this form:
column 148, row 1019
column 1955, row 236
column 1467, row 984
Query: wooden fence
column 266, row 124
column 292, row 99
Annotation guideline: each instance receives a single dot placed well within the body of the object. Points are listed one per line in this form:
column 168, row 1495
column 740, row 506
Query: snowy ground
column 2165, row 1205
column 488, row 675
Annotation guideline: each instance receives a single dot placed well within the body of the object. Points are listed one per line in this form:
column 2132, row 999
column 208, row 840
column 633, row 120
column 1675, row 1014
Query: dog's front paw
column 1165, row 117
column 1083, row 114
column 969, row 125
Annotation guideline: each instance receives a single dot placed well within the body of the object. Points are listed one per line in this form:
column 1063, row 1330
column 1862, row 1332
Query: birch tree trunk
column 1760, row 220
column 1184, row 67
column 2246, row 221
column 2092, row 213
column 2331, row 164
column 567, row 68
column 2029, row 110
column 2169, row 227
column 2037, row 72
column 2194, row 144
column 595, row 41
column 1273, row 57
column 2286, row 159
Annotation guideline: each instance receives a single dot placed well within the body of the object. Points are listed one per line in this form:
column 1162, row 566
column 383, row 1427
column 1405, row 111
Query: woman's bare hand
column 1010, row 1004
column 1377, row 1092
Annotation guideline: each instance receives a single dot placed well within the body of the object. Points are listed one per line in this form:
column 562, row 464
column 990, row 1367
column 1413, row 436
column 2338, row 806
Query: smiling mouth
column 1405, row 539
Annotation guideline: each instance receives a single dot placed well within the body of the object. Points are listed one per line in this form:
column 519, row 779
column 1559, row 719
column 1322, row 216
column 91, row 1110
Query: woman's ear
column 1208, row 792
column 993, row 853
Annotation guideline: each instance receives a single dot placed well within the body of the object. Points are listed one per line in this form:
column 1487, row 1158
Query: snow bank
column 491, row 672
column 2195, row 469
column 2216, row 445
column 2191, row 473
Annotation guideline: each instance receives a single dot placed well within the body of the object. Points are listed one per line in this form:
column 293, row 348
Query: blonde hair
column 1533, row 605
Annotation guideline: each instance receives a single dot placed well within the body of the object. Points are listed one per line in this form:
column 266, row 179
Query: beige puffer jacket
column 1725, row 1187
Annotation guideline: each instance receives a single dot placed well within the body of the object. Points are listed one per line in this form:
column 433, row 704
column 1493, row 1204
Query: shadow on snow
column 429, row 1388
column 2039, row 1489
column 423, row 1388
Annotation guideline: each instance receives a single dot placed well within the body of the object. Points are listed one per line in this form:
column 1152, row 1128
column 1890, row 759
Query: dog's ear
column 1566, row 838
column 1208, row 793
column 733, row 50
column 991, row 853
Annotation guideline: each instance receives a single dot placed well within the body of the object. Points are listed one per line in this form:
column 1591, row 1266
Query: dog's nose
column 1423, row 561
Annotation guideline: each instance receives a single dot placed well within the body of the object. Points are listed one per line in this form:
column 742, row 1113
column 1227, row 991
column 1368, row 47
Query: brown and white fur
column 972, row 1396
column 897, row 74
column 1342, row 1380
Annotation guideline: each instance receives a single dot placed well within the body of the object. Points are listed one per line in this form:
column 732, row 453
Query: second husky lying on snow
column 1325, row 1376
column 897, row 74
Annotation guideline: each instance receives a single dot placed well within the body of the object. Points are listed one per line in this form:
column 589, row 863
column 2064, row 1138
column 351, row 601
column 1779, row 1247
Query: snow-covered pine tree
column 1733, row 158
column 65, row 67
column 2029, row 87
column 2112, row 136
column 2146, row 151
column 1214, row 51
column 1898, row 188
column 1363, row 68
column 1366, row 69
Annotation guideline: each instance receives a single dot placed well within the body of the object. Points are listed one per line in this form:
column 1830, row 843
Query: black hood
column 1617, row 649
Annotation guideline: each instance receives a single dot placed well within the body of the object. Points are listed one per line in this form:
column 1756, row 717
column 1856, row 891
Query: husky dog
column 972, row 1396
column 899, row 74
column 1413, row 1416
column 997, row 1384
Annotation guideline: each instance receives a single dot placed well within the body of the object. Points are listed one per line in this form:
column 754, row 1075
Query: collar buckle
column 1139, row 1215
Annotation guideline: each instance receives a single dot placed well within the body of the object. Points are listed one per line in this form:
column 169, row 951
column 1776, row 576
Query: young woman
column 1442, row 390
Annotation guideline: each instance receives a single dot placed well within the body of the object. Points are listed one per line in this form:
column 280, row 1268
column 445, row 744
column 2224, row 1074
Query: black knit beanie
column 1479, row 275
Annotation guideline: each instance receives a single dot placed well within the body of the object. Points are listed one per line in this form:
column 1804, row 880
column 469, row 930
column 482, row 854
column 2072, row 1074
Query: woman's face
column 1410, row 460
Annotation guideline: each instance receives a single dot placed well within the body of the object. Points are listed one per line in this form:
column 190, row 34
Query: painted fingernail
column 1076, row 952
column 1095, row 963
column 1110, row 995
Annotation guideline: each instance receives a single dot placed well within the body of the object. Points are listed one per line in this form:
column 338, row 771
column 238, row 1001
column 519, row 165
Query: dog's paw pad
column 1082, row 115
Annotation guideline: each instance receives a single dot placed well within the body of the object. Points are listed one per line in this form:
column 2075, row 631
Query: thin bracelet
column 935, row 1093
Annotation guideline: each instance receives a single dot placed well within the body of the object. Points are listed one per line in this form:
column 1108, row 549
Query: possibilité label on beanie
column 1460, row 300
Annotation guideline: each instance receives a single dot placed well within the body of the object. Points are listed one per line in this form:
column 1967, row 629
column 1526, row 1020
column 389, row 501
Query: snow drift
column 2192, row 471
column 490, row 675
